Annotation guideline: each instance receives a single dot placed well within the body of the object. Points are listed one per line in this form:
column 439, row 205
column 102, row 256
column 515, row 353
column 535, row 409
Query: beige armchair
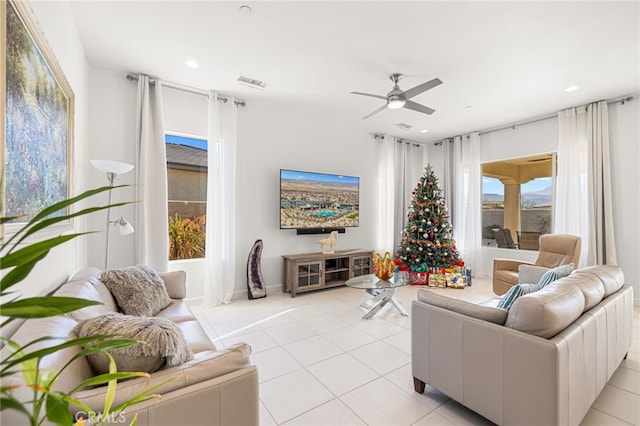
column 555, row 250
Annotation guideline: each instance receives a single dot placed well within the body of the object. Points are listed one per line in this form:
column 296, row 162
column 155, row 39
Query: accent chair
column 555, row 250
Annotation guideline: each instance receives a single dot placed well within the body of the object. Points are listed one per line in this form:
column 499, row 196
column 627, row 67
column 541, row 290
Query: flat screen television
column 318, row 201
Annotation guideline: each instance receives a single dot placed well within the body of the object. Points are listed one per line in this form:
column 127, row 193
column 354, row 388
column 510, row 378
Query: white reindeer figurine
column 329, row 243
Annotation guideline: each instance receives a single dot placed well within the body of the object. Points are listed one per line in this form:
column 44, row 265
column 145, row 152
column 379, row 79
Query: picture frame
column 36, row 146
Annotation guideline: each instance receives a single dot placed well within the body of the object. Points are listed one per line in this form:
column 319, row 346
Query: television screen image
column 318, row 200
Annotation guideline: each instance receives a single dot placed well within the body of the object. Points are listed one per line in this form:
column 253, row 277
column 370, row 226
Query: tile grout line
column 366, row 328
column 610, row 415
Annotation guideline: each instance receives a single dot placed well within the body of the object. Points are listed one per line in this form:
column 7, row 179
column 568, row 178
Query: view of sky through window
column 188, row 141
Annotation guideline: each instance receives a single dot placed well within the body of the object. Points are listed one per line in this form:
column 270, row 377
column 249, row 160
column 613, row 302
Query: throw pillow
column 516, row 291
column 530, row 273
column 555, row 273
column 139, row 290
column 162, row 342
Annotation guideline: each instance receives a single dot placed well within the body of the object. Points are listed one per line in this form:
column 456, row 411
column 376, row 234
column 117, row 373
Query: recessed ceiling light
column 571, row 89
column 245, row 10
column 424, row 131
column 192, row 64
column 468, row 107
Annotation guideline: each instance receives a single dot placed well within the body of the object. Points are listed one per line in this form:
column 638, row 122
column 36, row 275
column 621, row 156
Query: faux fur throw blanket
column 161, row 337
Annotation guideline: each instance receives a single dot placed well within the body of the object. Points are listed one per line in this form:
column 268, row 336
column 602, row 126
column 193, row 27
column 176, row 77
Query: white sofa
column 543, row 362
column 218, row 387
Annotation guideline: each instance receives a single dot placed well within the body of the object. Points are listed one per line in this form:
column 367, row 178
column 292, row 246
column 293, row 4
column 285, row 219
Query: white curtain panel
column 571, row 215
column 400, row 165
column 583, row 190
column 386, row 193
column 602, row 248
column 447, row 184
column 152, row 216
column 221, row 202
column 467, row 200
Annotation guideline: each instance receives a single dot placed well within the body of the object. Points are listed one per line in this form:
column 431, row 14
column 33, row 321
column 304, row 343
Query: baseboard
column 243, row 294
column 194, row 301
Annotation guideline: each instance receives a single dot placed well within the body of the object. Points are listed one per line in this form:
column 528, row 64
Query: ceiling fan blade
column 415, row 91
column 417, row 107
column 369, row 94
column 375, row 112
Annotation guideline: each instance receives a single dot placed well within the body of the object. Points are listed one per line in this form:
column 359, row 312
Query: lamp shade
column 124, row 226
column 110, row 166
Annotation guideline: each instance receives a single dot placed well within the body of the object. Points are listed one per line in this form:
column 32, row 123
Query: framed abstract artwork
column 38, row 108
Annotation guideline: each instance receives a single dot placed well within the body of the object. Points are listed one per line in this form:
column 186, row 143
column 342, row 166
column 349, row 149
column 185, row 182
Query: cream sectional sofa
column 543, row 362
column 217, row 387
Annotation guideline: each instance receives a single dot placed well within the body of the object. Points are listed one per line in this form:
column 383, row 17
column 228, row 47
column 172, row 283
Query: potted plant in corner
column 17, row 260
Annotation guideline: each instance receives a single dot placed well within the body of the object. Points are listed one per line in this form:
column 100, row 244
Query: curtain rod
column 398, row 140
column 536, row 120
column 238, row 102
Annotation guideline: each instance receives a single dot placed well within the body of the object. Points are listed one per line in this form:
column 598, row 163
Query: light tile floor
column 321, row 364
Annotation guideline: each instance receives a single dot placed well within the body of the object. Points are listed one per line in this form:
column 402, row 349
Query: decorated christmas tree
column 427, row 239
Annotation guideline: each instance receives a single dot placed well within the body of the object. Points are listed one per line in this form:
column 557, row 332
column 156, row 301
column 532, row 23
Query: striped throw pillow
column 514, row 292
column 555, row 273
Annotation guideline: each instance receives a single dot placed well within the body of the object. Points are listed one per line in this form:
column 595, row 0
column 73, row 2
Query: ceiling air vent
column 256, row 84
column 404, row 126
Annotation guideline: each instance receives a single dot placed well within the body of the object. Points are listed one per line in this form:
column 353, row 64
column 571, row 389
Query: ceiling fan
column 397, row 98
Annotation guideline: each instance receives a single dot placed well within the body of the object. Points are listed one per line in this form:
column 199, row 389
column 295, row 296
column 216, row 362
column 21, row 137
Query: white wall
column 523, row 141
column 624, row 131
column 274, row 135
column 112, row 124
column 542, row 137
column 271, row 135
column 279, row 134
column 59, row 28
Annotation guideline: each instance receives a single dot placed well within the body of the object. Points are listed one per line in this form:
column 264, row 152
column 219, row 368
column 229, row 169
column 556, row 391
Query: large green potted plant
column 17, row 260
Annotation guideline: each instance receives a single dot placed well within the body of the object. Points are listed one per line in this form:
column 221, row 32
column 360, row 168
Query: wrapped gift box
column 437, row 280
column 455, row 280
column 418, row 278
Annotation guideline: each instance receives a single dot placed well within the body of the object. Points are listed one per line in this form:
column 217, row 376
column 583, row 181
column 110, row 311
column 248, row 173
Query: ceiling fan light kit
column 395, row 103
column 398, row 98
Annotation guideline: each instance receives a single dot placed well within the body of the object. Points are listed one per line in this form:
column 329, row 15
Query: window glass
column 187, row 191
column 517, row 201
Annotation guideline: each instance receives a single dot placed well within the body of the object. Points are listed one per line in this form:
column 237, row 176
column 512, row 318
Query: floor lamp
column 113, row 168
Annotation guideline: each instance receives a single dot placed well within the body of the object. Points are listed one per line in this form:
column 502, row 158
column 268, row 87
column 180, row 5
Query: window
column 517, row 201
column 187, row 190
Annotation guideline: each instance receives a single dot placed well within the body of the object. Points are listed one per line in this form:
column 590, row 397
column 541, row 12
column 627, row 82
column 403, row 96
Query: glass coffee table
column 382, row 292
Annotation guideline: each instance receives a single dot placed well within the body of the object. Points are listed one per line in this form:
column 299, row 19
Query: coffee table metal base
column 380, row 298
